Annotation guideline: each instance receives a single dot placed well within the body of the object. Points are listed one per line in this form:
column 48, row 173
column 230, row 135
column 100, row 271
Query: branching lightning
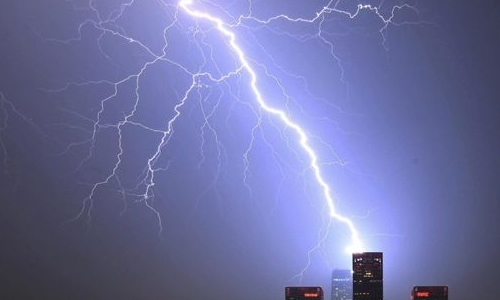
column 198, row 81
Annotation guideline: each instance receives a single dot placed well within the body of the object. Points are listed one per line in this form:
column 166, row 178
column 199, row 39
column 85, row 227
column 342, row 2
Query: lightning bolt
column 356, row 244
column 198, row 87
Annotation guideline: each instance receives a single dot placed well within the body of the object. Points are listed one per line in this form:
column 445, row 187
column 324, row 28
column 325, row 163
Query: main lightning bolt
column 196, row 81
column 356, row 244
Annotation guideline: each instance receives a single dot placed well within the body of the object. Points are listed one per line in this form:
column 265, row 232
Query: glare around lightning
column 356, row 244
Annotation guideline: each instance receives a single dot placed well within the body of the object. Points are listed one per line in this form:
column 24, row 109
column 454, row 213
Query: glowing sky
column 152, row 152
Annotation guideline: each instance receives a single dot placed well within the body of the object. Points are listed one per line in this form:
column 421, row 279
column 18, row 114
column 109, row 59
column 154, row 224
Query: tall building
column 303, row 293
column 367, row 276
column 341, row 284
column 429, row 293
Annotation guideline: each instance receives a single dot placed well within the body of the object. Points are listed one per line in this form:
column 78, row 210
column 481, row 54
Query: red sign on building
column 303, row 293
column 429, row 293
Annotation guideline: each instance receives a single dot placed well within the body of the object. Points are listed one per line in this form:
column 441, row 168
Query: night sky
column 136, row 162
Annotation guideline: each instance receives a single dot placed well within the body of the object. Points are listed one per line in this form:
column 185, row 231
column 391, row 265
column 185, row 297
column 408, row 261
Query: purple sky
column 403, row 118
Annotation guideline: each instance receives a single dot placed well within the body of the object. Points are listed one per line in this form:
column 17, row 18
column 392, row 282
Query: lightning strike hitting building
column 221, row 70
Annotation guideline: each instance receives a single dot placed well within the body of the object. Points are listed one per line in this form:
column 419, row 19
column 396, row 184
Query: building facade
column 341, row 284
column 367, row 276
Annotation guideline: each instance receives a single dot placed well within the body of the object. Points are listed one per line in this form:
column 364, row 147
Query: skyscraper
column 367, row 276
column 341, row 284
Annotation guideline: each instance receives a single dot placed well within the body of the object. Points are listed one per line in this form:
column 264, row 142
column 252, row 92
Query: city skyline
column 365, row 281
column 367, row 273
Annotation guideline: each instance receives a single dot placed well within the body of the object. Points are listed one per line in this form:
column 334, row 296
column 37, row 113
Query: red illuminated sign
column 430, row 292
column 423, row 294
column 311, row 295
column 303, row 292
